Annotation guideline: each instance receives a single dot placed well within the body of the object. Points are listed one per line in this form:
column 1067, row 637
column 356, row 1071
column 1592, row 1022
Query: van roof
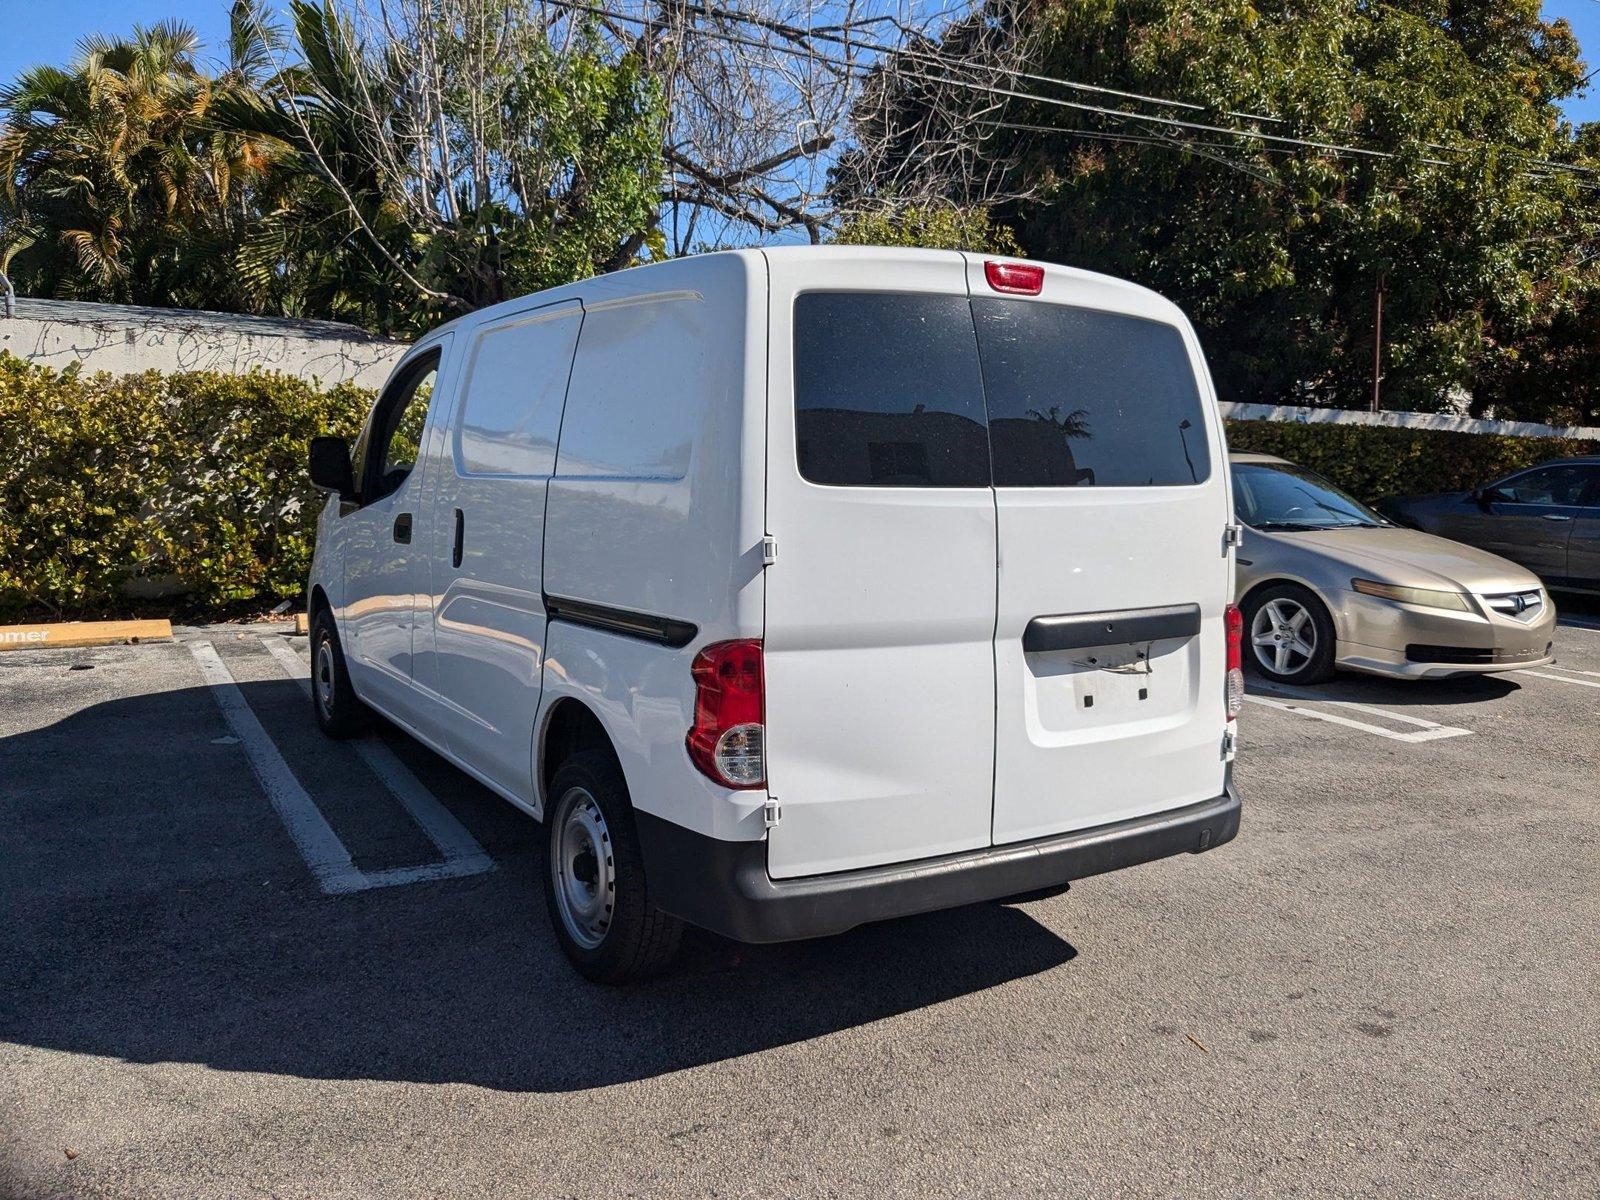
column 887, row 254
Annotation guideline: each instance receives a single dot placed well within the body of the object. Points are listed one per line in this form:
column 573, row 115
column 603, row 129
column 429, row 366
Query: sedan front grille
column 1524, row 606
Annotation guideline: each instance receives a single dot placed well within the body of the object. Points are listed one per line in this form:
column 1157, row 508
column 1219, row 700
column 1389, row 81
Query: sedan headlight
column 1426, row 597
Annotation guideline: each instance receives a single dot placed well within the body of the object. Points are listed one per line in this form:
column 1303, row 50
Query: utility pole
column 1377, row 344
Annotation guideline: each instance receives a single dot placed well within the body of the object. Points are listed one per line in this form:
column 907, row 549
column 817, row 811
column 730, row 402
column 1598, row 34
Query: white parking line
column 1563, row 678
column 1427, row 731
column 319, row 846
column 461, row 852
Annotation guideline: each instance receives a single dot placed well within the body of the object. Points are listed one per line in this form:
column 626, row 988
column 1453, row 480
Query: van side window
column 1079, row 397
column 516, row 385
column 393, row 437
column 887, row 391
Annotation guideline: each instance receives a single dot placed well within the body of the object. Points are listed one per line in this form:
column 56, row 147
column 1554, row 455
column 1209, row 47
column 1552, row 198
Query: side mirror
column 330, row 467
column 1486, row 496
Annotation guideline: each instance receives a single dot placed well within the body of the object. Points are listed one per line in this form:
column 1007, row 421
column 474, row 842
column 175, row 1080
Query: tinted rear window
column 887, row 391
column 1080, row 397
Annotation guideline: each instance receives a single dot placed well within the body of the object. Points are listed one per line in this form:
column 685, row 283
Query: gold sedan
column 1326, row 583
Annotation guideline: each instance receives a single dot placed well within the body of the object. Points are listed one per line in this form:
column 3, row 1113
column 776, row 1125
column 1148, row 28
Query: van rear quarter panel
column 657, row 507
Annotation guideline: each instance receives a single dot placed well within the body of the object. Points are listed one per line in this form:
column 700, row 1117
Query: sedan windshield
column 1280, row 496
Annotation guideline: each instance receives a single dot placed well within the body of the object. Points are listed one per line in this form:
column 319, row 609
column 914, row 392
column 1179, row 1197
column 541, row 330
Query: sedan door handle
column 1556, row 517
column 402, row 528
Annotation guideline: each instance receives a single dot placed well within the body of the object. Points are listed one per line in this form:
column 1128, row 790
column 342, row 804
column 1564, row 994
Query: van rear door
column 880, row 606
column 1111, row 494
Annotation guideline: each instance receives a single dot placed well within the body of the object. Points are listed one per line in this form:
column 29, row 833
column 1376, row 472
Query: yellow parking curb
column 82, row 633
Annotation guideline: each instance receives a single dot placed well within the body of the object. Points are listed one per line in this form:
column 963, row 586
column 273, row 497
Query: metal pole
column 9, row 307
column 1377, row 345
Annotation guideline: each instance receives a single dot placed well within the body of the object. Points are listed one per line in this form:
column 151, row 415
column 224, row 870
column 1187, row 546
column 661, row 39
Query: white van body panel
column 645, row 698
column 880, row 620
column 656, row 503
column 656, row 507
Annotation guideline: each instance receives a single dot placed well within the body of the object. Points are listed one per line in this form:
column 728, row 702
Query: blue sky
column 56, row 25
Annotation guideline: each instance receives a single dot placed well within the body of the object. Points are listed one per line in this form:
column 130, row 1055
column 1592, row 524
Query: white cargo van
column 799, row 588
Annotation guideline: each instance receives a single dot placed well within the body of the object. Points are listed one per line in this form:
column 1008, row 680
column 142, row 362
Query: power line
column 849, row 40
column 800, row 35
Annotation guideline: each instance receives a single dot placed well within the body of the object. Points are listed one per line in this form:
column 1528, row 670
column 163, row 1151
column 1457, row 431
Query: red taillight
column 1233, row 622
column 1022, row 278
column 727, row 741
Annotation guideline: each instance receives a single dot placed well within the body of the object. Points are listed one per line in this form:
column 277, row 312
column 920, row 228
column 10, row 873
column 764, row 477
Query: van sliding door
column 486, row 540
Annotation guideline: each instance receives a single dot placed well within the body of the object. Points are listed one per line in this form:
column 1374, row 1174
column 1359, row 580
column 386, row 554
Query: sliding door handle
column 461, row 529
column 402, row 529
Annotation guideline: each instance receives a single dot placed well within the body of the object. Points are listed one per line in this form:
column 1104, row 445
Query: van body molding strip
column 669, row 631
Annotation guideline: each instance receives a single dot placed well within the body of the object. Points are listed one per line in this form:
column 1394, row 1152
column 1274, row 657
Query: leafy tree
column 466, row 159
column 1466, row 197
column 936, row 226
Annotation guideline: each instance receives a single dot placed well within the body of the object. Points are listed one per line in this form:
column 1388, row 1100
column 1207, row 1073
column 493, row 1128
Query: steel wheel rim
column 583, row 868
column 322, row 675
column 1283, row 636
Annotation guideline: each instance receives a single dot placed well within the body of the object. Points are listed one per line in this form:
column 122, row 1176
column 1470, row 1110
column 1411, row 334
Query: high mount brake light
column 1233, row 622
column 1022, row 279
column 727, row 742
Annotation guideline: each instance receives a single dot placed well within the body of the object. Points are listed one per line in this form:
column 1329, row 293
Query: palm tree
column 113, row 183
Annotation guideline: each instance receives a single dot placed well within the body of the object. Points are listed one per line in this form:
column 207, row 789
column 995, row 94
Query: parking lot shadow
column 1374, row 689
column 153, row 910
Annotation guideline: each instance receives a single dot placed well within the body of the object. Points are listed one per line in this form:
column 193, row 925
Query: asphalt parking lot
column 237, row 960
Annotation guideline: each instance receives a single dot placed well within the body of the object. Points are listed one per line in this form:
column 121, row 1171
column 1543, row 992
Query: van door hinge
column 1230, row 745
column 1232, row 535
column 771, row 814
column 769, row 550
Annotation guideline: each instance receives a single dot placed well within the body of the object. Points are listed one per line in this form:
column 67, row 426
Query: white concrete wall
column 1400, row 420
column 124, row 340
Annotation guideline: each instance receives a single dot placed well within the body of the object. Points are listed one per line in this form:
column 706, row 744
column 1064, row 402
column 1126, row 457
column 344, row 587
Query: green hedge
column 194, row 484
column 1375, row 461
column 190, row 483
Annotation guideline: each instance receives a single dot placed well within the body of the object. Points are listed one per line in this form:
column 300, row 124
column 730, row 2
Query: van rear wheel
column 594, row 880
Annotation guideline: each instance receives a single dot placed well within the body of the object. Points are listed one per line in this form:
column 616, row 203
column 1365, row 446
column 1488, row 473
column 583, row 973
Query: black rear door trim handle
column 1075, row 631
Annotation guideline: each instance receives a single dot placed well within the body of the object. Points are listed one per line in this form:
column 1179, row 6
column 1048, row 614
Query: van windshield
column 898, row 389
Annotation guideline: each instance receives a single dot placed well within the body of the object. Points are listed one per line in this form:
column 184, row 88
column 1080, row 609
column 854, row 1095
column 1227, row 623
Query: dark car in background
column 1546, row 517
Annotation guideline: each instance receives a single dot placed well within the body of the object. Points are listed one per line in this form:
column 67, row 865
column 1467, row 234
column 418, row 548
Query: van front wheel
column 339, row 714
column 594, row 877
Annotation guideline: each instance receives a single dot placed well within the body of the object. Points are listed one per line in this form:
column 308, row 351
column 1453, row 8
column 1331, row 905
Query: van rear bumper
column 724, row 886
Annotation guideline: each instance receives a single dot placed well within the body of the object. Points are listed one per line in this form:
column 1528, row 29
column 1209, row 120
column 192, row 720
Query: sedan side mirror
column 330, row 467
column 1486, row 496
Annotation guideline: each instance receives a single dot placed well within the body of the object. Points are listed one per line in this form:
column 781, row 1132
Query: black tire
column 620, row 935
column 339, row 714
column 1318, row 666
